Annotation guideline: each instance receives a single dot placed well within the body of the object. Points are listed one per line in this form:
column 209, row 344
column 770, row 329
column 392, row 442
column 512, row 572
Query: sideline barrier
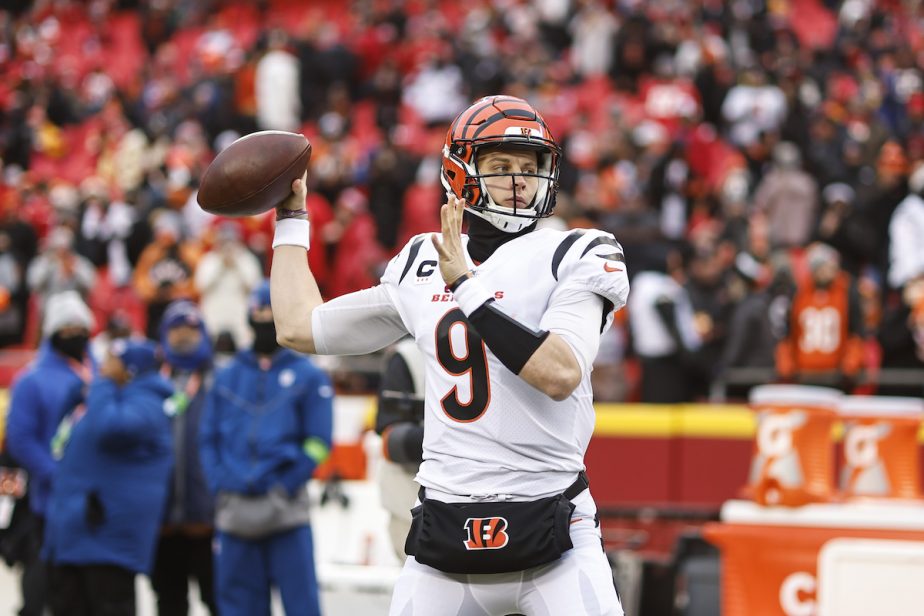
column 889, row 381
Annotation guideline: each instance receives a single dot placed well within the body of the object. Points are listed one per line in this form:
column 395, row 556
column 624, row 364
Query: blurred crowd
column 761, row 161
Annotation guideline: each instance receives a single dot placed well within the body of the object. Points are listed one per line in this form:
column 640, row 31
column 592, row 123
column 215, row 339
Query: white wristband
column 470, row 295
column 292, row 232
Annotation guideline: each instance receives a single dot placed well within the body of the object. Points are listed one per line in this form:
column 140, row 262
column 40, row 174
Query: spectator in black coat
column 752, row 337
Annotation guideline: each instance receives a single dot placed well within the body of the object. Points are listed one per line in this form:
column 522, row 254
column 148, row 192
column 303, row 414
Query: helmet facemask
column 514, row 217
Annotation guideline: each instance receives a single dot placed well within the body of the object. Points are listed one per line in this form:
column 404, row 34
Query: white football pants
column 580, row 583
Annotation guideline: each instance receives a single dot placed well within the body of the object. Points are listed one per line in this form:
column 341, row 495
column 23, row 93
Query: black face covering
column 264, row 337
column 74, row 347
column 485, row 238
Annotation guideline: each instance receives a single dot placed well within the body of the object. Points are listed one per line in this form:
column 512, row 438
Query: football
column 253, row 174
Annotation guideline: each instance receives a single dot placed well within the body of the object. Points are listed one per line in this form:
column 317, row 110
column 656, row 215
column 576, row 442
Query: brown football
column 253, row 174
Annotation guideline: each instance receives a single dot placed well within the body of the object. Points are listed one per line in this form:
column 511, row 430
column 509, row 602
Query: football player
column 509, row 319
column 399, row 420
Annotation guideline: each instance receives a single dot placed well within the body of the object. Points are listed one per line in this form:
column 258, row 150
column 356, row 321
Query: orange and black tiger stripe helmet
column 493, row 121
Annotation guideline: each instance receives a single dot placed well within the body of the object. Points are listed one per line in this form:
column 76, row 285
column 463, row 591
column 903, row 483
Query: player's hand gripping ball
column 254, row 174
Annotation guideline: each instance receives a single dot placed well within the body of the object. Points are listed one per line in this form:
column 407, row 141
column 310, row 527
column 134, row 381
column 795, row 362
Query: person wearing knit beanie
column 43, row 402
column 131, row 358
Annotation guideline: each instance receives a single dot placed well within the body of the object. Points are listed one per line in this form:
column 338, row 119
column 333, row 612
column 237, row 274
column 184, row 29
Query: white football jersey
column 486, row 430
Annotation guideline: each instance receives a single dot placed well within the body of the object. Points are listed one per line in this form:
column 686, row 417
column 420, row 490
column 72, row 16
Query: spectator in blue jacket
column 42, row 398
column 267, row 425
column 185, row 547
column 110, row 487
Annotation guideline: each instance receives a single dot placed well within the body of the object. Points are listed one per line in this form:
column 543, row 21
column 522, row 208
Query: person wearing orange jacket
column 165, row 270
column 824, row 341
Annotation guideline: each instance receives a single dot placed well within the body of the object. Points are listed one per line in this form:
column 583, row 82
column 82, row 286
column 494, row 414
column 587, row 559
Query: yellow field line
column 683, row 420
column 665, row 421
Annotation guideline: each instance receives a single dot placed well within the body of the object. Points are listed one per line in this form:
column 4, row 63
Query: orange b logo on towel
column 486, row 533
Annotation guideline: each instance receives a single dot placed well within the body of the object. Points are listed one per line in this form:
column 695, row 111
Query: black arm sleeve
column 512, row 342
column 667, row 312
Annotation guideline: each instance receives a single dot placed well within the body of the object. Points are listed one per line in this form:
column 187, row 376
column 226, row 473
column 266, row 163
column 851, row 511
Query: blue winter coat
column 110, row 489
column 257, row 421
column 42, row 396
